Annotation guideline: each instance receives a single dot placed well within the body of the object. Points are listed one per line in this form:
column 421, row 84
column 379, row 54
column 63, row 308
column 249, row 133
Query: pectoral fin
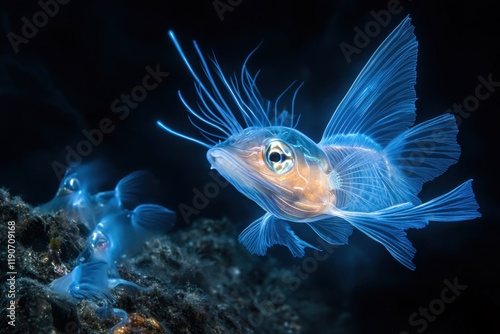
column 269, row 230
column 334, row 230
column 114, row 282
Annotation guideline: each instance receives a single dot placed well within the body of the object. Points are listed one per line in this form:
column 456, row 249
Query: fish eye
column 72, row 184
column 99, row 241
column 279, row 157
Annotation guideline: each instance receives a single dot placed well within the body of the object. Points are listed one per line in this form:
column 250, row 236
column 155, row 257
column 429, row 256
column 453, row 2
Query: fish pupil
column 275, row 157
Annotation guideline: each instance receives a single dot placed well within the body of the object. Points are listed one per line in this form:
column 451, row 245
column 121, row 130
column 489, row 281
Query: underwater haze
column 85, row 82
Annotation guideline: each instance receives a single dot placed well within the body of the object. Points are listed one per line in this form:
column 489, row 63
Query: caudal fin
column 387, row 226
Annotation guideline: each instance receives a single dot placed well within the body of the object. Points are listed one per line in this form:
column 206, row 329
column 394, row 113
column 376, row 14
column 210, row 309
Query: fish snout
column 212, row 155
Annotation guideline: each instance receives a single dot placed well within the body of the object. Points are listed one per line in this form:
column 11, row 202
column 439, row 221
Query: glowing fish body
column 76, row 199
column 123, row 233
column 91, row 281
column 132, row 190
column 115, row 236
column 365, row 172
column 116, row 232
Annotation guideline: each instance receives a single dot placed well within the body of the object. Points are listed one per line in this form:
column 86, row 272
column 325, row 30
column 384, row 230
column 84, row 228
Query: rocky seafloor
column 201, row 280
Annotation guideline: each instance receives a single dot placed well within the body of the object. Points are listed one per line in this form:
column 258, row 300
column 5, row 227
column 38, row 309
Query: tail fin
column 426, row 150
column 387, row 226
column 136, row 188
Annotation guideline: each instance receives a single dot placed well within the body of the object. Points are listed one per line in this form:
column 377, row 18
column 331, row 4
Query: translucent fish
column 122, row 234
column 77, row 198
column 73, row 198
column 115, row 236
column 90, row 281
column 134, row 189
column 86, row 281
column 365, row 172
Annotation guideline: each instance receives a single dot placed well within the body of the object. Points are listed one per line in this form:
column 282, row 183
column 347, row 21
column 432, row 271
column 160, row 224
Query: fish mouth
column 224, row 157
column 227, row 161
column 214, row 155
column 233, row 167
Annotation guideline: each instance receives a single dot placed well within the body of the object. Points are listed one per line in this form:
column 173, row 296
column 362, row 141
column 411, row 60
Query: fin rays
column 387, row 226
column 381, row 101
column 269, row 230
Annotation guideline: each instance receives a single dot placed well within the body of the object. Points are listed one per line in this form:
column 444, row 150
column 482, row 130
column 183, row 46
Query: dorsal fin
column 381, row 101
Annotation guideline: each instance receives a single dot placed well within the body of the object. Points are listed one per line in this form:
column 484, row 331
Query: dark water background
column 64, row 79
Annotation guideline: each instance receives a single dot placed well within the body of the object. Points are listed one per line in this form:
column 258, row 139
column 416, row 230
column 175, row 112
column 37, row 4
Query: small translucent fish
column 134, row 189
column 115, row 236
column 90, row 281
column 365, row 172
column 120, row 224
column 77, row 198
column 123, row 233
column 73, row 198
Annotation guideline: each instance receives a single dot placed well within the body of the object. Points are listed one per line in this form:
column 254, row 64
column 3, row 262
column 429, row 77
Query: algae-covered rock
column 200, row 280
